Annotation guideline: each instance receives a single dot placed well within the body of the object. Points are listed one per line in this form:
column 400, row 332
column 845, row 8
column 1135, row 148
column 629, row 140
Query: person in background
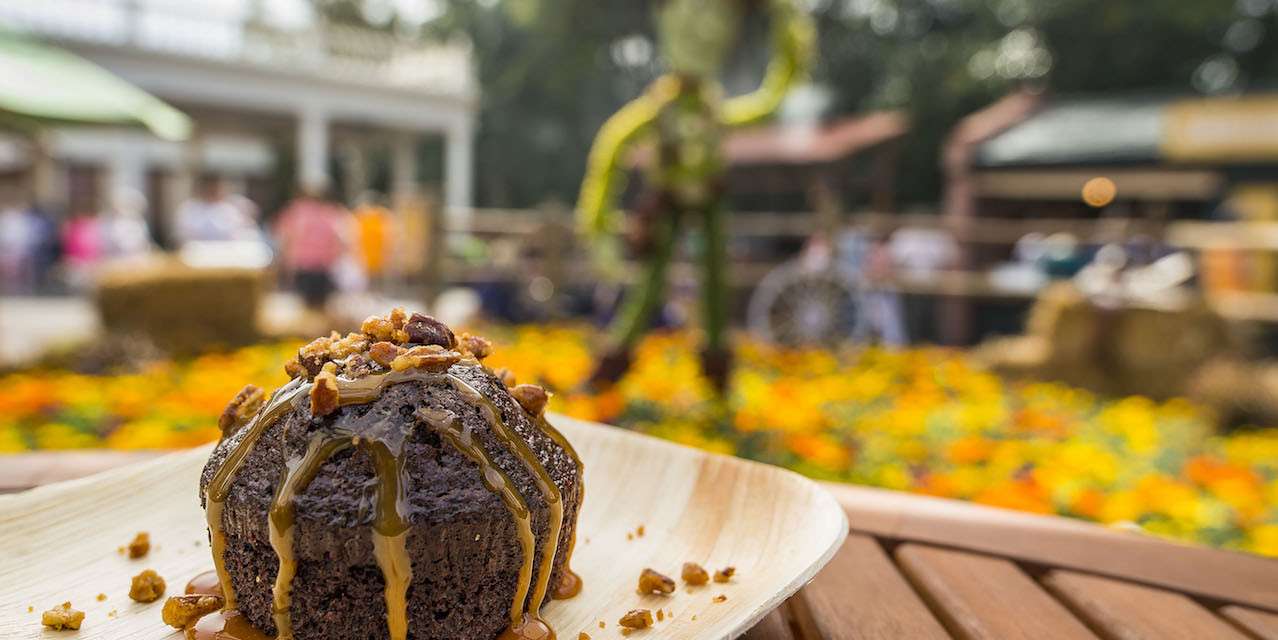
column 372, row 235
column 312, row 233
column 81, row 242
column 213, row 216
column 124, row 230
column 20, row 244
column 881, row 314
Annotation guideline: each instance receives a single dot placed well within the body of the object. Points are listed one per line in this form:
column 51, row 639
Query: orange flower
column 970, row 450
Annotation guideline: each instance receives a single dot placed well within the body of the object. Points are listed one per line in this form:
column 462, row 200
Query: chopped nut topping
column 324, row 398
column 357, row 366
column 720, row 598
column 531, row 397
column 423, row 329
column 62, row 617
column 352, row 344
column 694, row 574
column 384, row 353
column 313, row 356
column 477, row 346
column 583, row 636
column 241, row 408
column 652, row 582
column 431, row 357
column 294, row 369
column 140, row 545
column 147, row 586
column 180, row 611
column 398, row 317
column 378, row 327
column 725, row 574
column 506, row 376
column 636, row 619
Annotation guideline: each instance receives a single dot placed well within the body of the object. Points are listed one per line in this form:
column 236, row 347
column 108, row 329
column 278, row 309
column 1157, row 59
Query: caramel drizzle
column 390, row 528
column 570, row 582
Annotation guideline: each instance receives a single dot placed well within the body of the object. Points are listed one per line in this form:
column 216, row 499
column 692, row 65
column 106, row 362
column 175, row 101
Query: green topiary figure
column 684, row 115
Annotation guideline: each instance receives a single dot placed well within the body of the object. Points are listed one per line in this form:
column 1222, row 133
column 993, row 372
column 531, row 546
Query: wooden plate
column 59, row 542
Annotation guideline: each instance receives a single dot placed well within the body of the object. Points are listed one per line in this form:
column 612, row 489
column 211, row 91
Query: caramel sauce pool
column 385, row 444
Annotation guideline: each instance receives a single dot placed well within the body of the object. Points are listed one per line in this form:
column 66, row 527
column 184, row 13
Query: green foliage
column 551, row 72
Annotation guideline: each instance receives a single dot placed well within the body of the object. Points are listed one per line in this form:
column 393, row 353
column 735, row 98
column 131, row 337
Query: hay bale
column 181, row 309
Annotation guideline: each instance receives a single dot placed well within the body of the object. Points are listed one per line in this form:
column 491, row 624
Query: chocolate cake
column 395, row 488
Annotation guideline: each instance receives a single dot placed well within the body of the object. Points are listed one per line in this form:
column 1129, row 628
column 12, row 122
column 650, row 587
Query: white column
column 403, row 167
column 354, row 171
column 312, row 148
column 126, row 171
column 459, row 160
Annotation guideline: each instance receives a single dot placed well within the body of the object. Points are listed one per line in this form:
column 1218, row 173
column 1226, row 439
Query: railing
column 238, row 35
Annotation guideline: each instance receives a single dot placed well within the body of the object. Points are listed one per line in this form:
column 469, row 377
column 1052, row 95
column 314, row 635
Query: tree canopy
column 552, row 71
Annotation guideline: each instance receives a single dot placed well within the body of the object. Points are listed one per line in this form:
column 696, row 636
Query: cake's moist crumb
column 531, row 397
column 147, row 586
column 720, row 598
column 140, row 545
column 652, row 582
column 725, row 574
column 241, row 409
column 62, row 617
column 694, row 574
column 180, row 611
column 636, row 619
column 324, row 398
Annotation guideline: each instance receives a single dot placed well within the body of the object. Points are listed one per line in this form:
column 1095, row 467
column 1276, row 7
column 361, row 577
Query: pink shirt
column 312, row 234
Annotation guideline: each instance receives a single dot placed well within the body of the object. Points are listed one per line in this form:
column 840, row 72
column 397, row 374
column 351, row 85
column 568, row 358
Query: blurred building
column 271, row 94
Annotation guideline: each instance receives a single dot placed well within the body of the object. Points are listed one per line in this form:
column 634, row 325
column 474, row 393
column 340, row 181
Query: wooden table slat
column 1132, row 611
column 1262, row 624
column 774, row 626
column 1215, row 574
column 981, row 597
column 862, row 595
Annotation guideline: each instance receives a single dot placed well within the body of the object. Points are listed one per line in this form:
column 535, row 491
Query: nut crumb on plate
column 694, row 574
column 62, row 617
column 180, row 611
column 725, row 574
column 140, row 545
column 720, row 598
column 636, row 619
column 652, row 582
column 147, row 586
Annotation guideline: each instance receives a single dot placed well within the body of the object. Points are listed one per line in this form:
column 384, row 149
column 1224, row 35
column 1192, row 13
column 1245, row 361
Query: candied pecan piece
column 424, row 329
column 431, row 357
column 358, row 366
column 324, row 398
column 139, row 545
column 398, row 317
column 240, row 409
column 352, row 344
column 180, row 611
column 384, row 353
column 652, row 582
column 636, row 619
column 725, row 574
column 506, row 376
column 313, row 355
column 694, row 574
column 147, row 586
column 378, row 328
column 477, row 346
column 531, row 397
column 62, row 617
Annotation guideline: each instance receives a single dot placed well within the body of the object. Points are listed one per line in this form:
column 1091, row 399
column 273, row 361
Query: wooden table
column 921, row 568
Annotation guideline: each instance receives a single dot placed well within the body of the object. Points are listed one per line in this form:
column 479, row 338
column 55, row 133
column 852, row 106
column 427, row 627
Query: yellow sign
column 1241, row 129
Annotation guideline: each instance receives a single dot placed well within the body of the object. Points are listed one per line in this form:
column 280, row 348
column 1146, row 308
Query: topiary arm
column 604, row 181
column 793, row 41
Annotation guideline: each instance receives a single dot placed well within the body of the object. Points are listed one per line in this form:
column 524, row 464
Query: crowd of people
column 318, row 245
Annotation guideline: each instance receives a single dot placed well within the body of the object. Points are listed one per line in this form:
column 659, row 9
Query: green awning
column 47, row 84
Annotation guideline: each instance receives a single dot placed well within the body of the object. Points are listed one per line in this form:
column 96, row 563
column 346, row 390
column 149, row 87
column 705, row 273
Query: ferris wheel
column 801, row 304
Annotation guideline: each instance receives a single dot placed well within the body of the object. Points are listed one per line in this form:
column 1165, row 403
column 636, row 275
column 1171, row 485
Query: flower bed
column 919, row 420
